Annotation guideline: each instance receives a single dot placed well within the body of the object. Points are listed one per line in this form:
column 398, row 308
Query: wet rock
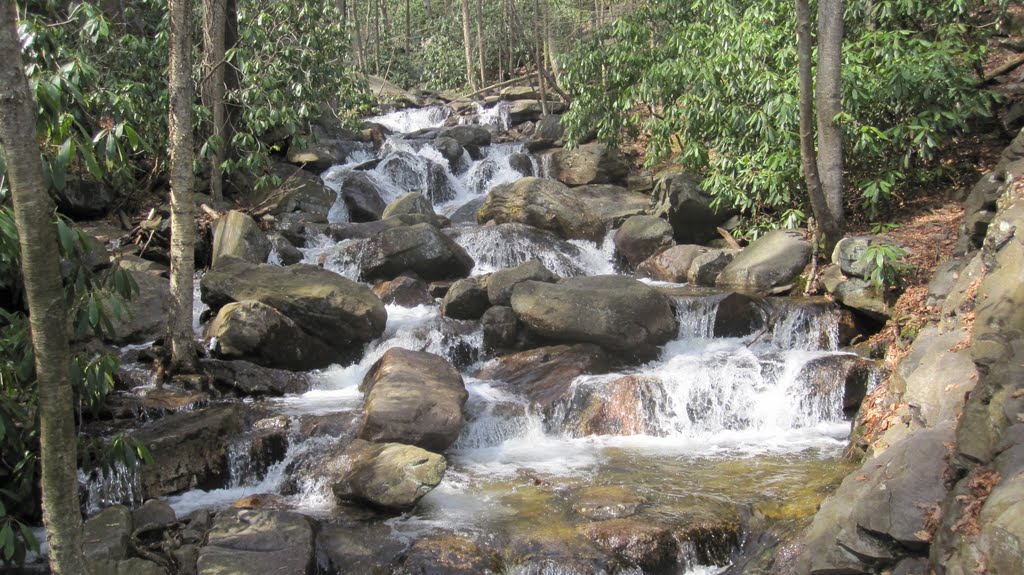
column 708, row 539
column 544, row 375
column 107, row 535
column 466, row 214
column 466, row 299
column 522, row 164
column 262, row 501
column 469, row 135
column 391, row 476
column 248, row 379
column 603, row 502
column 509, row 245
column 362, row 197
column 773, row 260
column 448, row 555
column 858, row 294
column 300, row 191
column 611, row 204
column 257, row 541
column 340, row 312
column 418, row 174
column 167, row 399
column 145, row 317
column 706, row 267
column 679, row 197
column 739, row 315
column 363, row 230
column 670, row 265
column 131, row 566
column 619, row 406
column 411, row 203
column 256, row 332
column 501, row 328
column 642, row 237
column 850, row 374
column 544, row 204
column 451, row 150
column 404, row 291
column 501, row 283
column 357, row 548
column 588, row 164
column 283, row 252
column 413, row 397
column 236, row 234
column 420, row 249
column 621, row 314
column 153, row 512
column 648, row 546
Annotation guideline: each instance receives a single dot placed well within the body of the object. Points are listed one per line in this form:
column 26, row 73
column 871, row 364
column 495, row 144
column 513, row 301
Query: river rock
column 614, row 406
column 411, row 203
column 643, row 544
column 154, row 512
column 679, row 197
column 451, row 150
column 642, row 237
column 236, row 234
column 420, row 249
column 936, row 375
column 547, row 133
column 618, row 313
column 338, row 311
column 404, row 291
column 256, row 332
column 107, row 535
column 522, row 164
column 858, row 294
column 130, row 566
column 413, row 397
column 448, row 555
column 418, row 174
column 282, row 251
column 300, row 191
column 739, row 315
column 544, row 204
column 773, row 260
column 849, row 255
column 362, row 197
column 390, row 476
column 602, row 502
column 544, row 375
column 364, row 230
column 500, row 327
column 509, row 245
column 357, row 547
column 469, row 135
column 588, row 164
column 248, row 379
column 466, row 299
column 530, row 110
column 501, row 283
column 670, row 265
column 145, row 317
column 257, row 541
column 189, row 450
column 319, row 154
column 706, row 267
column 826, row 375
column 466, row 214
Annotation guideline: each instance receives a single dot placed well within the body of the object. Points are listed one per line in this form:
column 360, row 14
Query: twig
column 496, row 86
column 728, row 238
column 1004, row 69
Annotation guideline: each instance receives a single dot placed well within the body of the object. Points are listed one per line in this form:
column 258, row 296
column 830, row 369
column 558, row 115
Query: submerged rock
column 257, row 541
column 390, row 476
column 413, row 397
column 448, row 555
column 603, row 502
column 643, row 544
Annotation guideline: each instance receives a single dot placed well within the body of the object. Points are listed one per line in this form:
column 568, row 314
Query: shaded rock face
column 248, row 379
column 325, row 305
column 257, row 541
column 588, row 164
column 773, row 260
column 855, row 374
column 501, row 283
column 107, row 535
column 705, row 268
column 319, row 154
column 283, row 250
column 390, row 476
column 359, row 548
column 642, row 237
column 236, row 234
column 420, row 249
column 361, row 197
column 145, row 316
column 468, row 135
column 413, row 397
column 300, row 191
column 466, row 299
column 189, row 449
column 501, row 328
column 618, row 313
column 543, row 204
column 85, row 199
column 678, row 196
column 451, row 150
column 546, row 134
column 257, row 332
column 545, row 375
column 739, row 315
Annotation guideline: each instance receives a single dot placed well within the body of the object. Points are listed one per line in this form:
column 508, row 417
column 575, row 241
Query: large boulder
column 390, row 476
column 256, row 332
column 705, row 267
column 145, row 317
column 588, row 164
column 340, row 312
column 679, row 197
column 85, row 198
column 468, row 135
column 773, row 260
column 236, row 234
column 501, row 283
column 849, row 255
column 318, row 154
column 451, row 150
column 671, row 265
column 641, row 237
column 413, row 397
column 547, row 133
column 300, row 191
column 544, row 204
column 611, row 204
column 858, row 294
column 530, row 110
column 257, row 541
column 420, row 249
column 618, row 313
column 108, row 534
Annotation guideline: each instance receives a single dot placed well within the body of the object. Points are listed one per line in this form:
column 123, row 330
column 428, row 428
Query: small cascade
column 114, row 485
column 696, row 316
column 413, row 119
column 808, row 328
column 496, row 116
column 495, row 416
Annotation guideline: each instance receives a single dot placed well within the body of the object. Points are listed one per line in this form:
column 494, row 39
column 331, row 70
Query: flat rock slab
column 257, row 542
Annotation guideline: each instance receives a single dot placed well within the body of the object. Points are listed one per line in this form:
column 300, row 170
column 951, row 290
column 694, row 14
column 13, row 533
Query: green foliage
column 885, row 265
column 715, row 84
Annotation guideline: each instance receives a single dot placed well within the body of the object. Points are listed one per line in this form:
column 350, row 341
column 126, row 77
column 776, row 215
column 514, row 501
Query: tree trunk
column 549, row 41
column 480, row 40
column 214, row 15
column 179, row 124
column 357, row 38
column 828, row 93
column 40, row 264
column 467, row 42
column 408, row 30
column 538, row 57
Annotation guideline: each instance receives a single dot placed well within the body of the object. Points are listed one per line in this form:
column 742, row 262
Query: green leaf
column 29, row 537
column 94, row 311
column 7, row 540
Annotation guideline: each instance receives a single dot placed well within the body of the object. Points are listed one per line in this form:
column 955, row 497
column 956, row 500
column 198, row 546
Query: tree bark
column 480, row 40
column 829, row 102
column 538, row 56
column 40, row 265
column 467, row 42
column 214, row 15
column 179, row 123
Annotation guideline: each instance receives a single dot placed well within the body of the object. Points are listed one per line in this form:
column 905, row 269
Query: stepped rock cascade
column 703, row 440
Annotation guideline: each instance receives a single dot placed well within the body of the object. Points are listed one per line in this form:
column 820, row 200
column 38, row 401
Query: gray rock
column 256, row 332
column 145, row 317
column 451, row 149
column 107, row 535
column 706, row 267
column 544, row 204
column 642, row 237
column 521, row 163
column 249, row 380
column 466, row 214
column 773, row 260
column 85, row 199
column 501, row 283
column 610, row 204
column 413, row 397
column 739, row 315
column 618, row 313
column 588, row 164
column 466, row 299
column 858, row 294
column 317, row 155
column 679, row 197
column 362, row 197
column 391, row 476
column 849, row 255
column 411, row 203
column 300, row 191
column 358, row 547
column 153, row 512
column 530, row 110
column 254, row 541
column 671, row 265
column 448, row 555
column 364, row 230
column 404, row 291
column 338, row 311
column 131, row 566
column 469, row 135
column 500, row 326
column 936, row 375
column 420, row 249
column 283, row 252
column 546, row 134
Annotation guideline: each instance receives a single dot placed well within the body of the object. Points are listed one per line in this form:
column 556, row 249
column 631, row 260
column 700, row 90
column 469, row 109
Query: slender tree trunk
column 549, row 41
column 467, row 42
column 376, row 37
column 480, row 40
column 408, row 30
column 40, row 264
column 357, row 38
column 538, row 57
column 829, row 102
column 428, row 9
column 214, row 14
column 179, row 123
